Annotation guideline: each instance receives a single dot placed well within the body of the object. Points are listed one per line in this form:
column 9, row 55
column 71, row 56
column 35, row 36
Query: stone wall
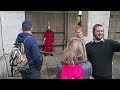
column 114, row 27
column 90, row 18
column 4, row 67
column 10, row 26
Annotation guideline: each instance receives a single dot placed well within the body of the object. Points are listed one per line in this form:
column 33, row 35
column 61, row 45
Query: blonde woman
column 75, row 54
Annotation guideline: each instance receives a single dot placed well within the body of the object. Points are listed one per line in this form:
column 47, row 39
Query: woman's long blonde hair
column 75, row 49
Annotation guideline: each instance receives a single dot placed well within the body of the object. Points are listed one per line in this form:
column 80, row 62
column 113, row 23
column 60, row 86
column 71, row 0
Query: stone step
column 14, row 78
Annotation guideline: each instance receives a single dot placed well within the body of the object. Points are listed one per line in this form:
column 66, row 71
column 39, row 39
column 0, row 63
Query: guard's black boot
column 51, row 54
column 46, row 54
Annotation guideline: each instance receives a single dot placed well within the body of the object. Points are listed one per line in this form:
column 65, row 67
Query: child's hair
column 78, row 29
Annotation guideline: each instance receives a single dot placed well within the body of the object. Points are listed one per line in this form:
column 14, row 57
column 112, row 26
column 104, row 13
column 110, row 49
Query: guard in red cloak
column 48, row 41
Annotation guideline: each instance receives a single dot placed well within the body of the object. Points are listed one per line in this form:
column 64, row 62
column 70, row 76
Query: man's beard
column 98, row 38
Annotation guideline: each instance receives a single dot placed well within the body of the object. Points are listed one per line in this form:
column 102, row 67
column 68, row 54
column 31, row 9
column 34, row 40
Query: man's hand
column 44, row 41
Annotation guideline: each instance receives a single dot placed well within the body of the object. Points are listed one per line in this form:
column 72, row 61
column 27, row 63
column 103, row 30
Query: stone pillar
column 10, row 26
column 90, row 18
column 72, row 22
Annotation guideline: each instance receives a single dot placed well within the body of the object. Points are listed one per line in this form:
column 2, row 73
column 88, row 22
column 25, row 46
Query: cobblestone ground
column 116, row 67
column 50, row 62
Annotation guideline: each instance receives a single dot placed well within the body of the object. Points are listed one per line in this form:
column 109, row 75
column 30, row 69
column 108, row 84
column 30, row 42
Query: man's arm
column 59, row 67
column 45, row 36
column 44, row 40
column 115, row 45
column 52, row 37
column 37, row 55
